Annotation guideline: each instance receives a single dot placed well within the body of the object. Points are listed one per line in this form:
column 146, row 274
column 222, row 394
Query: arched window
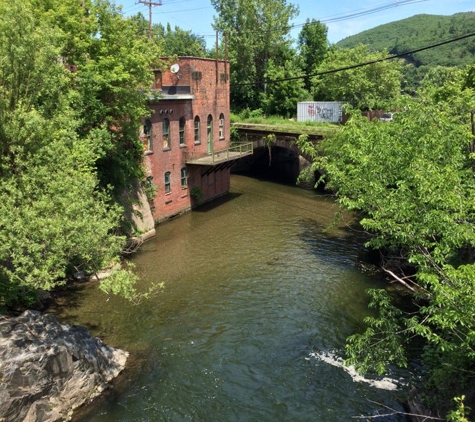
column 166, row 133
column 147, row 133
column 210, row 129
column 182, row 131
column 168, row 182
column 197, row 130
column 184, row 178
column 221, row 126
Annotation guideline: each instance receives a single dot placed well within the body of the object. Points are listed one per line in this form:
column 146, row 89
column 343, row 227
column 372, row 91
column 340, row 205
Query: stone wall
column 137, row 212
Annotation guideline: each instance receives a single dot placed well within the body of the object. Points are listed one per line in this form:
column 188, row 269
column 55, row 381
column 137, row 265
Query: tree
column 437, row 76
column 313, row 46
column 142, row 24
column 281, row 97
column 55, row 219
column 257, row 30
column 180, row 42
column 411, row 182
column 112, row 79
column 365, row 87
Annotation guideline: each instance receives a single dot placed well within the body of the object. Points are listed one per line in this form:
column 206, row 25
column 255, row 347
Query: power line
column 337, row 18
column 150, row 4
column 366, row 12
column 340, row 69
column 363, row 12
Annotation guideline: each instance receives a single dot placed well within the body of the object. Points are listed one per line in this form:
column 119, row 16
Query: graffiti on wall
column 322, row 112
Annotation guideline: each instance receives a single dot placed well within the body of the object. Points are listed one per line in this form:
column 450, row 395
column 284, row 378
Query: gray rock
column 48, row 369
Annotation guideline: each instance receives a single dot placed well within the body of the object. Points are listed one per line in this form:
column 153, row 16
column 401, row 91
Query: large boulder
column 48, row 369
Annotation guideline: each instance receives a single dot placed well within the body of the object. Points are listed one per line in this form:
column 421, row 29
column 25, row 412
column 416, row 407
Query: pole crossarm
column 150, row 4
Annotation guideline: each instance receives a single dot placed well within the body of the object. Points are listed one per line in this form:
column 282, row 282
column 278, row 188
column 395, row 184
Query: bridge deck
column 221, row 156
column 313, row 133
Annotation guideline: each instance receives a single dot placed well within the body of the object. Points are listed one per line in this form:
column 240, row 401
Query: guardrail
column 215, row 157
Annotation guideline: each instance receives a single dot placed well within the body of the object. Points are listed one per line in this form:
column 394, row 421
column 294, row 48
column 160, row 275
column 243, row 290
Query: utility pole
column 150, row 4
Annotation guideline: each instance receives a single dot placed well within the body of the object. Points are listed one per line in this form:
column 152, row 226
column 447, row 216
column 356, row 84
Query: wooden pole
column 150, row 4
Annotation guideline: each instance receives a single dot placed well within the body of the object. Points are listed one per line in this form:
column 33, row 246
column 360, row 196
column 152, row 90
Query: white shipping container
column 320, row 111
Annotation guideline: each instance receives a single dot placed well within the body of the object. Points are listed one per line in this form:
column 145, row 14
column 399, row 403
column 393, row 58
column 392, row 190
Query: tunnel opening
column 276, row 164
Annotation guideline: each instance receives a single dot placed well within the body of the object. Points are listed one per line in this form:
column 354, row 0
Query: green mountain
column 420, row 31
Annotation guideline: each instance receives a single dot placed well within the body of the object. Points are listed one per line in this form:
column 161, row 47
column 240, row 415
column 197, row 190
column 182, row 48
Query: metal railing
column 215, row 157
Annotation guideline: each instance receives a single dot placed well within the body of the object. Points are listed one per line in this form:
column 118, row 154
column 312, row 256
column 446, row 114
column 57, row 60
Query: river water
column 252, row 321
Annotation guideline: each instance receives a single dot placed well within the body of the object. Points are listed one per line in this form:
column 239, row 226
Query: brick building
column 187, row 138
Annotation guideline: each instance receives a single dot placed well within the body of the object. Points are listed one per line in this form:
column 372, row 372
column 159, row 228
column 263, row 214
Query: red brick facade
column 189, row 119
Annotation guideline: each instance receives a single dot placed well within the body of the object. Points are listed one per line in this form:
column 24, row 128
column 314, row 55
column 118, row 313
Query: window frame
column 147, row 133
column 181, row 132
column 184, row 178
column 221, row 126
column 197, row 129
column 157, row 79
column 209, row 129
column 167, row 182
column 166, row 133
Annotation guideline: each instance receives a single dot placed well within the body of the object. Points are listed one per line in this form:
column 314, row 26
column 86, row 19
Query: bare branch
column 400, row 280
column 133, row 245
column 396, row 412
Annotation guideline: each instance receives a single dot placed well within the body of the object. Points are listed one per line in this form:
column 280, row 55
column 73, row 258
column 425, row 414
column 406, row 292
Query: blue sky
column 342, row 17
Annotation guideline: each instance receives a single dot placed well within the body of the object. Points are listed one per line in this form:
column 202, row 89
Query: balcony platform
column 222, row 156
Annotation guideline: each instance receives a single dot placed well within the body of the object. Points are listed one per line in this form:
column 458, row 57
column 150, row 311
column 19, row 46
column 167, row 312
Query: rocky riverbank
column 48, row 369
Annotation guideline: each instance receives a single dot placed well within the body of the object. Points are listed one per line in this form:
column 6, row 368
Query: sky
column 342, row 17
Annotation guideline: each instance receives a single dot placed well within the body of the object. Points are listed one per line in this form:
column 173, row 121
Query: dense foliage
column 172, row 42
column 179, row 42
column 281, row 98
column 270, row 73
column 257, row 31
column 412, row 184
column 312, row 47
column 111, row 82
column 267, row 67
column 365, row 87
column 64, row 138
column 420, row 31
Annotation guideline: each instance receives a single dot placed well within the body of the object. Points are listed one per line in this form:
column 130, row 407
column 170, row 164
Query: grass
column 281, row 124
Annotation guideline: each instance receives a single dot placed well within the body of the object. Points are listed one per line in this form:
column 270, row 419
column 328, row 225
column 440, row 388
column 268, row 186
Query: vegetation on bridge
column 257, row 120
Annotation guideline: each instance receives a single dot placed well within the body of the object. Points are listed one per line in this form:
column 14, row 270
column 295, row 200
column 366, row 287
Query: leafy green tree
column 411, row 183
column 180, row 42
column 281, row 98
column 437, row 76
column 365, row 87
column 112, row 78
column 54, row 217
column 141, row 24
column 257, row 30
column 313, row 47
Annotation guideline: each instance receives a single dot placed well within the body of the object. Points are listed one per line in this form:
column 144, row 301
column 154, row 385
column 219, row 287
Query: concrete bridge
column 276, row 156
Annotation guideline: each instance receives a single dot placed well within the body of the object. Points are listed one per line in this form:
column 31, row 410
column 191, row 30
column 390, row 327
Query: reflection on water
column 254, row 291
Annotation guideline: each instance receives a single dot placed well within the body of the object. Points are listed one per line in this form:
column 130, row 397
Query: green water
column 254, row 293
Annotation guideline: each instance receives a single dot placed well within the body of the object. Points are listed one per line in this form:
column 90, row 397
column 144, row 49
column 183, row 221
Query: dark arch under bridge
column 276, row 153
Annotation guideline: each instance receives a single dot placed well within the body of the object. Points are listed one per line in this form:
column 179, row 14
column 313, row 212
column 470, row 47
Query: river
column 252, row 320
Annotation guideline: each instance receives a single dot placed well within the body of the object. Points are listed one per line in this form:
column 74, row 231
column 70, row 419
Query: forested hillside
column 419, row 31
